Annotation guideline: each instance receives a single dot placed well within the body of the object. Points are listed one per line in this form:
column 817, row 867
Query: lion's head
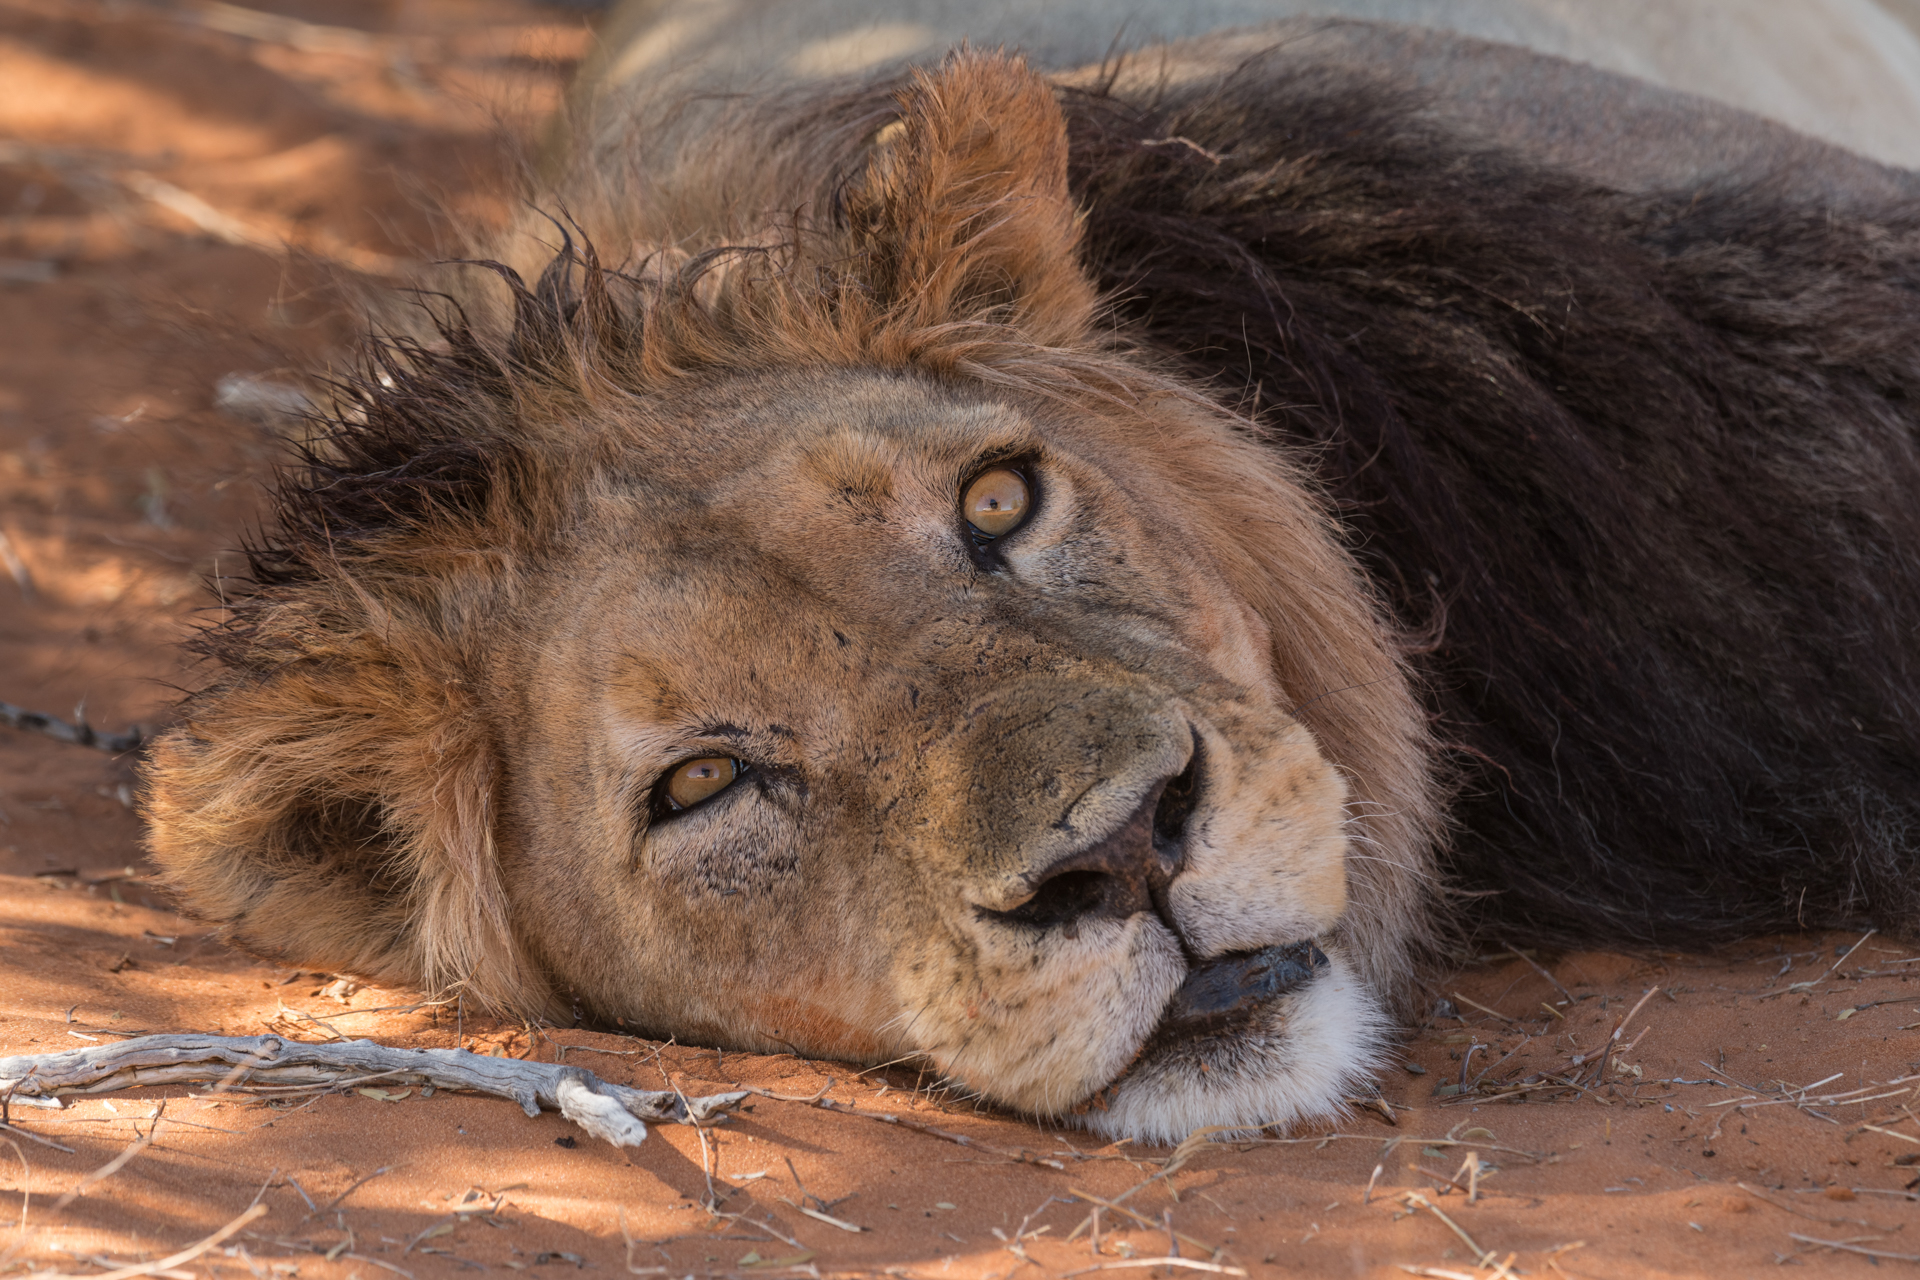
column 846, row 645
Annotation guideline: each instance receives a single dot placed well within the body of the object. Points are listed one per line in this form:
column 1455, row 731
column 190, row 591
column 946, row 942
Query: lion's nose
column 1126, row 873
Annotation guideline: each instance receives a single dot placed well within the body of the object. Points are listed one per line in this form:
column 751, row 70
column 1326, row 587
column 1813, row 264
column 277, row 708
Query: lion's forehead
column 817, row 571
column 740, row 429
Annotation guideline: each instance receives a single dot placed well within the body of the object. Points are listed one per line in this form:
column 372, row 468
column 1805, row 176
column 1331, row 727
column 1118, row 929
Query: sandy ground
column 156, row 164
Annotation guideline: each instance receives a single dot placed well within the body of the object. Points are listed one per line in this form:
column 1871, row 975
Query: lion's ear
column 963, row 211
column 336, row 810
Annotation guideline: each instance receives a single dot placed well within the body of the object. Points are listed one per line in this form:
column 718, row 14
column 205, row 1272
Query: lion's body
column 1705, row 84
column 1369, row 464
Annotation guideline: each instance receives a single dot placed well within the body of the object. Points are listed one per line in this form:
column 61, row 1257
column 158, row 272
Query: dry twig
column 1844, row 1245
column 605, row 1110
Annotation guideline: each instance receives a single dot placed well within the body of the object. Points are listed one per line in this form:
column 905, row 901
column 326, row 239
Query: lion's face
column 857, row 651
column 1032, row 806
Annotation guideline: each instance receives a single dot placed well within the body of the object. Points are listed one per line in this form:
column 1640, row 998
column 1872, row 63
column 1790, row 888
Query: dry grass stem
column 1472, row 1168
column 1190, row 1146
column 829, row 1219
column 706, row 1155
column 1497, row 1271
column 813, row 1097
column 1016, row 1245
column 357, row 1183
column 16, row 1131
column 1117, row 1207
column 1190, row 1264
column 1536, row 967
column 80, row 1188
column 26, row 1197
column 170, row 1262
column 1393, row 1142
column 1475, row 1004
column 1553, row 1260
column 760, row 1224
column 825, row 1103
column 1418, row 1201
column 1801, row 1213
column 1844, row 1245
column 1814, row 982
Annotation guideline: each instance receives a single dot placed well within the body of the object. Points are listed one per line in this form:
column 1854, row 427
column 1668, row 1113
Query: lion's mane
column 1637, row 474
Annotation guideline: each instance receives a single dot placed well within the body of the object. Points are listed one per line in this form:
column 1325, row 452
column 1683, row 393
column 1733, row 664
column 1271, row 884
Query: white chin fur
column 1311, row 1050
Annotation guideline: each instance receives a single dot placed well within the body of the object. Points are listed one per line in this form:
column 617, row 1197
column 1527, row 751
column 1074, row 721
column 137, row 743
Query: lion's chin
column 1298, row 1058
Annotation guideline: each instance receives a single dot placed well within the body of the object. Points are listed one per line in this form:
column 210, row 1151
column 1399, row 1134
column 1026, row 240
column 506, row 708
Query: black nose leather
column 1126, row 873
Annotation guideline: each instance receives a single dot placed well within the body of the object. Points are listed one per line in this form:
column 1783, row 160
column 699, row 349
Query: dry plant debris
column 609, row 1111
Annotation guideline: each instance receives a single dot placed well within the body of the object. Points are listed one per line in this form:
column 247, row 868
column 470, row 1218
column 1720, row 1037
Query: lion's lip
column 1230, row 990
column 1220, row 999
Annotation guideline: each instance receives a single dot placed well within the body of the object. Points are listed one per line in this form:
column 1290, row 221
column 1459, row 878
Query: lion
column 1095, row 584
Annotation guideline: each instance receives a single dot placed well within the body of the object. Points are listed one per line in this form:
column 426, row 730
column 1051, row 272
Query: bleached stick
column 605, row 1110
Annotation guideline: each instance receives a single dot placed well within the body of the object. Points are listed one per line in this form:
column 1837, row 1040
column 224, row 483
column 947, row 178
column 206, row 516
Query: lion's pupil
column 695, row 780
column 996, row 501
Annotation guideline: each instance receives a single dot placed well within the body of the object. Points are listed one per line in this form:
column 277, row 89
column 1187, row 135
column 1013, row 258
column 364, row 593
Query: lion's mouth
column 1220, row 1000
column 1225, row 994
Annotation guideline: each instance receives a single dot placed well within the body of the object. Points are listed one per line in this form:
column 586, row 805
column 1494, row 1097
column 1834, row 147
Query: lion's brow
column 727, row 729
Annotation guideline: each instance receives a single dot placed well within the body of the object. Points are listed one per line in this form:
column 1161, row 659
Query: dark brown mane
column 1644, row 469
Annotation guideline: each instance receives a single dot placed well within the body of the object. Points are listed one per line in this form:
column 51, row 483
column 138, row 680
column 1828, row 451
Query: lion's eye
column 996, row 501
column 700, row 779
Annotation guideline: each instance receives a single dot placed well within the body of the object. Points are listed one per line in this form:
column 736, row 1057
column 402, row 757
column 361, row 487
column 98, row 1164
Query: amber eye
column 700, row 779
column 996, row 501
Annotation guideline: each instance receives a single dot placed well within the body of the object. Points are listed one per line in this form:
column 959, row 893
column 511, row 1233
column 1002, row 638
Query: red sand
column 122, row 486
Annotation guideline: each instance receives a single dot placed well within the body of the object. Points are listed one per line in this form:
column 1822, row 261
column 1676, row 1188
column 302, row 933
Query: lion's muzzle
column 1131, row 880
column 1127, row 872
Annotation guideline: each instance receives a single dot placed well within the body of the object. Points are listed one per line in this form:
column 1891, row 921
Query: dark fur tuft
column 420, row 439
